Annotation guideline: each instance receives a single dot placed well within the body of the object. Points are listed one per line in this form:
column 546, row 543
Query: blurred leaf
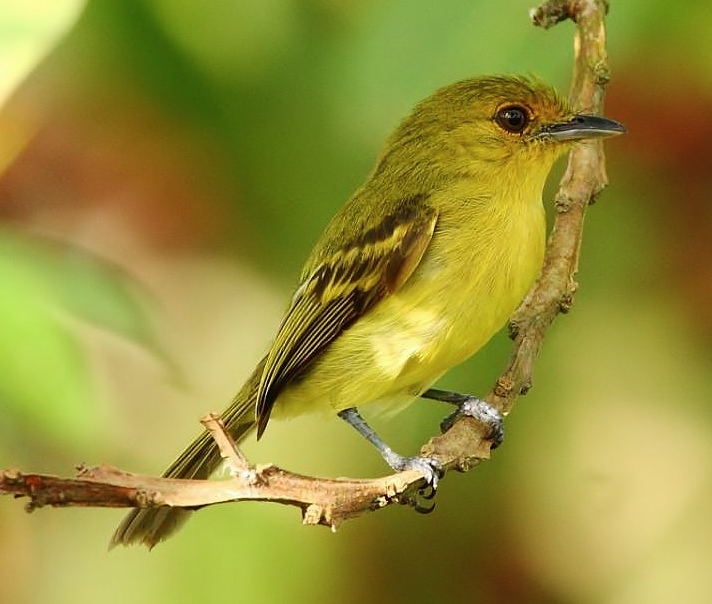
column 28, row 31
column 44, row 372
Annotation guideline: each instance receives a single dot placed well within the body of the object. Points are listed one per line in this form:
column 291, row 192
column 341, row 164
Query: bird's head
column 492, row 125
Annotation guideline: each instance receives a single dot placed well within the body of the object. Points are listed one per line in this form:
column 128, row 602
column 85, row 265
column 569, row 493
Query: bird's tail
column 202, row 457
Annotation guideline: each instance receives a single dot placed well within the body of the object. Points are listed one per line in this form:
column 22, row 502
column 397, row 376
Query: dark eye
column 512, row 118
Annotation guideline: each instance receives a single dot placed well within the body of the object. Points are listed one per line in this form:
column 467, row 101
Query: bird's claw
column 416, row 504
column 432, row 472
column 429, row 467
column 482, row 412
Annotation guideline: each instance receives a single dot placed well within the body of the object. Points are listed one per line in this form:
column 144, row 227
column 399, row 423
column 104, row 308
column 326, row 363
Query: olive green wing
column 354, row 277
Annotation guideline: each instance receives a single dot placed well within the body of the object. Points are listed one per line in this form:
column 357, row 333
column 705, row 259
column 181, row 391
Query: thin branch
column 331, row 501
column 584, row 179
column 322, row 500
column 234, row 459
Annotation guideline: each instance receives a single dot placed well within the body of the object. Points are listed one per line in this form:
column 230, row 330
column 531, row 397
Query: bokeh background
column 165, row 167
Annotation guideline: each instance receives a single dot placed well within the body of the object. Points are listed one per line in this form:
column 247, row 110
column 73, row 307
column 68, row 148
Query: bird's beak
column 581, row 127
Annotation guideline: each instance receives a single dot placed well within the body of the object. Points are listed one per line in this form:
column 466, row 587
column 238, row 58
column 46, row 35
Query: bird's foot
column 483, row 412
column 429, row 467
column 432, row 472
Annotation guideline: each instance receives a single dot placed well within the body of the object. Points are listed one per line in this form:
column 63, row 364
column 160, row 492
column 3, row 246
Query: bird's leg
column 427, row 466
column 472, row 407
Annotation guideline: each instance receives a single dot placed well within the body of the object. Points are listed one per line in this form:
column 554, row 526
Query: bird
column 420, row 267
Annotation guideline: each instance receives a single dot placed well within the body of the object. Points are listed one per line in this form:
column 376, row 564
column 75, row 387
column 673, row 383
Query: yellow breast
column 470, row 280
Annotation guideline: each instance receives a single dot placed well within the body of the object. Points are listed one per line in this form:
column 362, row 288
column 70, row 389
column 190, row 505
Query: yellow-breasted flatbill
column 415, row 273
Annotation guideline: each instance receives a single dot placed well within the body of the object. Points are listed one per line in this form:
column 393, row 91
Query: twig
column 234, row 459
column 331, row 501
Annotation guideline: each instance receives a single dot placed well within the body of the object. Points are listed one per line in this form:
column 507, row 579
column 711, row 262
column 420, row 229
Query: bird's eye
column 512, row 118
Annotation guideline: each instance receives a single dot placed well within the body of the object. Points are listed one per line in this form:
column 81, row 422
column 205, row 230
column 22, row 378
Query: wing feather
column 358, row 274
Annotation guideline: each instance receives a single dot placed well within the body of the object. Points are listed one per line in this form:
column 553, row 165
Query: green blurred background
column 165, row 167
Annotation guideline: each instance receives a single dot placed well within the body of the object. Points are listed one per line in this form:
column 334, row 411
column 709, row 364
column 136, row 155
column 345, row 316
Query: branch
column 322, row 500
column 465, row 444
column 584, row 179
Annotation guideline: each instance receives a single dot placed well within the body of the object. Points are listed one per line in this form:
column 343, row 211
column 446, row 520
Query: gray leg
column 472, row 407
column 425, row 465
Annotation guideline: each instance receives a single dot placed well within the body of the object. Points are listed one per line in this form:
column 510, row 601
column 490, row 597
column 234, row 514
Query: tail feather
column 202, row 457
